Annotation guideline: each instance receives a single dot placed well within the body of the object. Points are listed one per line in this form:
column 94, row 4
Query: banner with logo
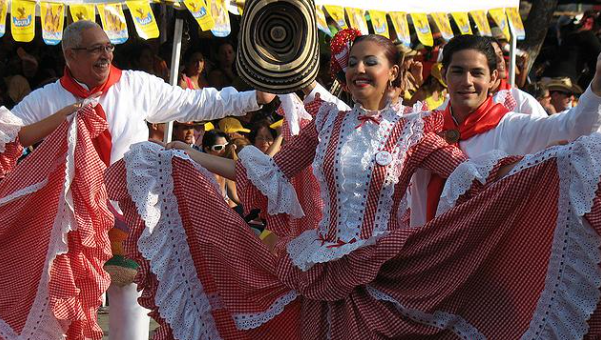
column 113, row 22
column 22, row 20
column 401, row 27
column 337, row 13
column 200, row 12
column 322, row 23
column 218, row 10
column 444, row 25
column 463, row 22
column 53, row 21
column 515, row 21
column 498, row 15
column 143, row 19
column 357, row 19
column 422, row 28
column 3, row 11
column 481, row 22
column 83, row 12
column 379, row 23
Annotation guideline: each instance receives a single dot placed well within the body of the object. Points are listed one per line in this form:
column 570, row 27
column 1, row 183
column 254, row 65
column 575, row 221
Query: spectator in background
column 144, row 59
column 266, row 138
column 433, row 91
column 225, row 74
column 413, row 71
column 232, row 127
column 184, row 132
column 193, row 76
column 541, row 93
column 156, row 131
column 562, row 92
column 216, row 142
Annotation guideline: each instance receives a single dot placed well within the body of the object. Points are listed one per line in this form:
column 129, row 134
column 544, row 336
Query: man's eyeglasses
column 219, row 147
column 97, row 49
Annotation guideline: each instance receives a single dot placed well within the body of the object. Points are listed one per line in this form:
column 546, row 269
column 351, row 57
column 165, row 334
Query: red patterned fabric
column 481, row 263
column 509, row 102
column 9, row 158
column 30, row 232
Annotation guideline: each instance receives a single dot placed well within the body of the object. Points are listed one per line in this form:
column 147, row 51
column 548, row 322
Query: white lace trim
column 461, row 180
column 438, row 319
column 262, row 171
column 180, row 297
column 253, row 320
column 573, row 277
column 10, row 125
column 307, row 249
column 294, row 111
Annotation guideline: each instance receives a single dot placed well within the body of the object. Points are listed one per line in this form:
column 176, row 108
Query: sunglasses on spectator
column 96, row 49
column 218, row 147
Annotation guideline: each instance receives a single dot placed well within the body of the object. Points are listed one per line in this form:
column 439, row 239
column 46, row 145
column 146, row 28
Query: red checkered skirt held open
column 514, row 258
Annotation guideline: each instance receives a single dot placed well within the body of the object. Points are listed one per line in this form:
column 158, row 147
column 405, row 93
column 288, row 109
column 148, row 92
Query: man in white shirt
column 132, row 99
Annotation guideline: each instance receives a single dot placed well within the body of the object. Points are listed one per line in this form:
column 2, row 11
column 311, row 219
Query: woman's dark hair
column 191, row 52
column 390, row 51
column 469, row 42
column 537, row 90
column 210, row 138
column 254, row 130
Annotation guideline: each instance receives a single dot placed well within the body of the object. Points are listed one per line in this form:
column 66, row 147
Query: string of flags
column 213, row 15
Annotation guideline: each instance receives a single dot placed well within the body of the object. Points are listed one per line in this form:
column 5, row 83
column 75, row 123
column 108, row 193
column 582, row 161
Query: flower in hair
column 340, row 47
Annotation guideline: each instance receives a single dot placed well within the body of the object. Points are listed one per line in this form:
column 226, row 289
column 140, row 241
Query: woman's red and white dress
column 490, row 266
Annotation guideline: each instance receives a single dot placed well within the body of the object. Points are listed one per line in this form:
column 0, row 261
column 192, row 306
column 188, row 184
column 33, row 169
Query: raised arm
column 169, row 103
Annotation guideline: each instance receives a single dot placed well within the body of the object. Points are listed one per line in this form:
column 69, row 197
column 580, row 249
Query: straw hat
column 406, row 51
column 278, row 51
column 563, row 85
column 231, row 125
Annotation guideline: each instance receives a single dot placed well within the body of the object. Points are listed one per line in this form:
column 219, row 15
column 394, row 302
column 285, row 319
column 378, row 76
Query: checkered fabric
column 77, row 279
column 8, row 159
column 482, row 261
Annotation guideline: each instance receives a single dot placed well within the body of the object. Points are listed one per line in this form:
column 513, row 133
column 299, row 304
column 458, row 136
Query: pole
column 512, row 54
column 174, row 75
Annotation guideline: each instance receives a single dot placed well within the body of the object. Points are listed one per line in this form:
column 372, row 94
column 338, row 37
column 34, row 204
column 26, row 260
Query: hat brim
column 574, row 89
column 279, row 50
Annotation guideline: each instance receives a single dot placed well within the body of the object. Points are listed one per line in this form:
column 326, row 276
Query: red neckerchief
column 504, row 85
column 102, row 143
column 485, row 118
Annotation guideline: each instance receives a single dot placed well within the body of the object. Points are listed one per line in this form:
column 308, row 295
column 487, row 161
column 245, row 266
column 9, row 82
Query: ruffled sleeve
column 10, row 148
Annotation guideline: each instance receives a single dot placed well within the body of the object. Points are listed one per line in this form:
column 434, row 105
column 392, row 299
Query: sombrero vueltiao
column 278, row 50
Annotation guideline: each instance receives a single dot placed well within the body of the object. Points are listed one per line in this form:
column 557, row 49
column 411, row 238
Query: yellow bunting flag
column 22, row 23
column 498, row 15
column 379, row 23
column 357, row 20
column 113, row 22
column 422, row 28
column 337, row 13
column 200, row 12
column 322, row 23
column 463, row 22
column 481, row 22
column 221, row 17
column 515, row 22
column 143, row 18
column 82, row 12
column 3, row 11
column 401, row 27
column 53, row 20
column 444, row 25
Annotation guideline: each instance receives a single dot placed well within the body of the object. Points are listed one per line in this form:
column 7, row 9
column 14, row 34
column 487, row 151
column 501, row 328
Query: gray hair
column 72, row 34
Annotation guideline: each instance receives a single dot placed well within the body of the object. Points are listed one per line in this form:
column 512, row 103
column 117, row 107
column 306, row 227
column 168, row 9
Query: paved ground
column 103, row 320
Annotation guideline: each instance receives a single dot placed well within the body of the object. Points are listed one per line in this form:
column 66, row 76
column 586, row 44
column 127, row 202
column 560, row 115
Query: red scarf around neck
column 102, row 143
column 485, row 118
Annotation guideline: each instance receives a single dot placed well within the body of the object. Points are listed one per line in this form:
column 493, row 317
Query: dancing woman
column 479, row 270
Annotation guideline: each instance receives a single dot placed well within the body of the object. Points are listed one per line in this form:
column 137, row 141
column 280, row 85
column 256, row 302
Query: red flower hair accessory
column 340, row 47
